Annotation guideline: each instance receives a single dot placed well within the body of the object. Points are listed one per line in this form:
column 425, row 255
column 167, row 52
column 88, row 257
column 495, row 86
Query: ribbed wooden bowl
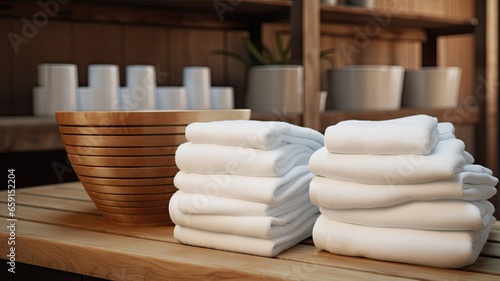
column 126, row 159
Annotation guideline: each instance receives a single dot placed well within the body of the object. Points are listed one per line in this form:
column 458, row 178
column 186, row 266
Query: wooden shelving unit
column 306, row 17
column 483, row 117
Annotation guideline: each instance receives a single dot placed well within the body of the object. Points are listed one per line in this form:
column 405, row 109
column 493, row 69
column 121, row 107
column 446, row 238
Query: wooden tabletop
column 59, row 227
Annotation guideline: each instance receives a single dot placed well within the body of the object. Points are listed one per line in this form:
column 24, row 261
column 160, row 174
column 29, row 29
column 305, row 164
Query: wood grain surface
column 121, row 151
column 144, row 130
column 127, row 182
column 113, row 189
column 123, row 161
column 148, row 118
column 137, row 172
column 123, row 141
column 62, row 229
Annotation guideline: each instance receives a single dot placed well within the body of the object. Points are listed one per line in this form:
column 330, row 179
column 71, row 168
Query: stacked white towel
column 402, row 190
column 244, row 186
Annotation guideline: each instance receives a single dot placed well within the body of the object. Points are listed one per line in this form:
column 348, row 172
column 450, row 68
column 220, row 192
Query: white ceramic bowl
column 432, row 87
column 366, row 87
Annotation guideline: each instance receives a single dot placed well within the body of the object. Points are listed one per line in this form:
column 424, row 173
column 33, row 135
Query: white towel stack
column 401, row 190
column 244, row 186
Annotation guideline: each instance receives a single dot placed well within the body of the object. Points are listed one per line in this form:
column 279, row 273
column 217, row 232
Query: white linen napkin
column 256, row 189
column 448, row 249
column 467, row 185
column 416, row 134
column 243, row 244
column 431, row 215
column 201, row 204
column 214, row 159
column 445, row 160
column 266, row 135
column 255, row 226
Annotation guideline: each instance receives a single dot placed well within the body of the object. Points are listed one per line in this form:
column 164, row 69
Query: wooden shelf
column 18, row 134
column 359, row 15
column 177, row 13
column 457, row 116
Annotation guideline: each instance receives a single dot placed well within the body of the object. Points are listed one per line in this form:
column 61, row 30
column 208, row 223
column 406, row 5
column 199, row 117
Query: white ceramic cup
column 104, row 81
column 432, row 87
column 86, row 101
column 141, row 84
column 63, row 83
column 171, row 98
column 41, row 102
column 43, row 74
column 196, row 80
column 222, row 97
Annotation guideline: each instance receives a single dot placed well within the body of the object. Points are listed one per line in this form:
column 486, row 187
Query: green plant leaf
column 254, row 51
column 279, row 45
column 326, row 52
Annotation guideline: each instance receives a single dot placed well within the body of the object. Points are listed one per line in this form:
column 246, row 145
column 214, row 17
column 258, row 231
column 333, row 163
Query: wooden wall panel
column 150, row 46
column 236, row 71
column 51, row 43
column 192, row 47
column 6, row 54
column 96, row 44
column 327, row 42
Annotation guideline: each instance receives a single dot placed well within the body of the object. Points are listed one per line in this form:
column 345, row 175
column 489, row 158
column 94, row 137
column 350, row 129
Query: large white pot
column 432, row 87
column 365, row 87
column 275, row 89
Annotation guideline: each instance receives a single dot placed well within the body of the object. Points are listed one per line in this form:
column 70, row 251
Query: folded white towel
column 335, row 194
column 201, row 204
column 255, row 226
column 448, row 249
column 444, row 161
column 244, row 244
column 214, row 159
column 257, row 189
column 266, row 135
column 431, row 215
column 446, row 130
column 408, row 135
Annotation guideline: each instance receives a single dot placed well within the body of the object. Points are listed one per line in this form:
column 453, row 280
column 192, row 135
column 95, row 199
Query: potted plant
column 274, row 85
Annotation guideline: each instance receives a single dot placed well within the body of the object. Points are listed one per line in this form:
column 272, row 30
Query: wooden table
column 58, row 227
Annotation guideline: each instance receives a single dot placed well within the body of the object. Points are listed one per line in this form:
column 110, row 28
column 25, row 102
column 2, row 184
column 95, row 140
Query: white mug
column 104, row 81
column 222, row 97
column 141, row 84
column 197, row 83
column 86, row 101
column 41, row 102
column 63, row 83
column 171, row 98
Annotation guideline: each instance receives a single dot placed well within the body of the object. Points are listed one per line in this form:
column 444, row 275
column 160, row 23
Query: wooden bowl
column 117, row 131
column 147, row 118
column 126, row 182
column 121, row 151
column 122, row 161
column 135, row 172
column 145, row 210
column 113, row 189
column 112, row 203
column 123, row 141
column 130, row 197
column 126, row 159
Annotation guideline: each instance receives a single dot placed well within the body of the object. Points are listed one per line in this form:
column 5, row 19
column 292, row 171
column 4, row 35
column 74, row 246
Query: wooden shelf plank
column 29, row 134
column 358, row 15
column 457, row 116
column 189, row 13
